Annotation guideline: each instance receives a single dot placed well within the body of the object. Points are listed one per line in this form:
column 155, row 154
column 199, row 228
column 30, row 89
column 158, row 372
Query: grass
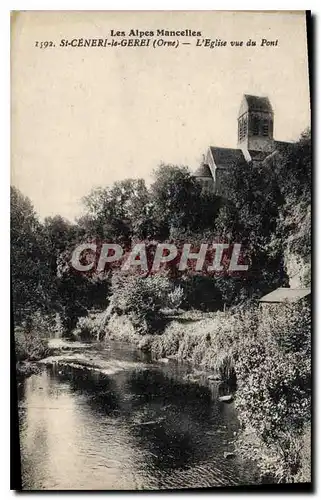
column 208, row 340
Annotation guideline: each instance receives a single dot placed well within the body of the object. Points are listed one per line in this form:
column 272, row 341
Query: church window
column 265, row 127
column 240, row 131
column 242, row 128
column 255, row 125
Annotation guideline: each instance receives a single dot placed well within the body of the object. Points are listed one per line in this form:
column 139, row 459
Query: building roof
column 290, row 295
column 279, row 148
column 203, row 171
column 282, row 145
column 256, row 103
column 258, row 155
column 225, row 157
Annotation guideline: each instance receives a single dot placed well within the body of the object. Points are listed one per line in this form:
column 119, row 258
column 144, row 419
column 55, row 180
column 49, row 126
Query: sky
column 87, row 117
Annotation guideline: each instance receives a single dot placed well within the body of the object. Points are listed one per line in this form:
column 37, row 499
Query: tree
column 118, row 212
column 179, row 204
column 293, row 169
column 30, row 273
column 59, row 235
column 251, row 218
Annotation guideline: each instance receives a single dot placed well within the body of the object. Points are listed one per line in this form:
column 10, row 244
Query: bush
column 30, row 341
column 168, row 344
column 143, row 298
column 29, row 346
column 87, row 328
column 274, row 385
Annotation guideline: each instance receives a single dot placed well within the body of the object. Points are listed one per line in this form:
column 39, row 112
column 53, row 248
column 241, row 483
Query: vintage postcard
column 161, row 249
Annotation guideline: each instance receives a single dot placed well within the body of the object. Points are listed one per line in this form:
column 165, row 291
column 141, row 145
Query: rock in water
column 226, row 399
column 215, row 377
column 229, row 454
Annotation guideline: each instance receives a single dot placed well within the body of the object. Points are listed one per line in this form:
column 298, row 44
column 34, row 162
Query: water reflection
column 141, row 427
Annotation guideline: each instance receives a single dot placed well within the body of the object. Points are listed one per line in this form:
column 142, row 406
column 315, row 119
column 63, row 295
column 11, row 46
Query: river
column 107, row 417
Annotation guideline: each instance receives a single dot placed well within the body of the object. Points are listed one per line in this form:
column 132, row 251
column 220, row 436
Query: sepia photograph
column 161, row 173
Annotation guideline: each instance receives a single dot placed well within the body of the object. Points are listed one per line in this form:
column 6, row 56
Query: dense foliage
column 274, row 386
column 30, row 272
column 267, row 208
column 31, row 337
column 144, row 299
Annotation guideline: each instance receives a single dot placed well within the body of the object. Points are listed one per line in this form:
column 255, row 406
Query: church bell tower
column 255, row 124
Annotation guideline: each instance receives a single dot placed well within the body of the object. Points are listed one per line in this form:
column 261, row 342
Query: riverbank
column 192, row 336
column 120, row 411
column 268, row 355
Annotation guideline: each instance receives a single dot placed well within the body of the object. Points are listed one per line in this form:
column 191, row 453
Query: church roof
column 279, row 147
column 256, row 103
column 224, row 157
column 258, row 155
column 282, row 145
column 203, row 171
column 286, row 295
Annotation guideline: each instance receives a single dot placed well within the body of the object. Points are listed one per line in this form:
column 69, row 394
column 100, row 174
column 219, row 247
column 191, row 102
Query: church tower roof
column 258, row 103
column 255, row 124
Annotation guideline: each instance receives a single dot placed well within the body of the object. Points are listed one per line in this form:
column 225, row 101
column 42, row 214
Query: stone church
column 255, row 143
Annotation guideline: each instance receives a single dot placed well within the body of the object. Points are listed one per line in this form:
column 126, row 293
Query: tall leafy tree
column 250, row 218
column 294, row 173
column 117, row 212
column 179, row 204
column 30, row 273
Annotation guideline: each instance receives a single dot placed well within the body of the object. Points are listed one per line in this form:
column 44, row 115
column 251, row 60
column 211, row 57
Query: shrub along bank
column 31, row 342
